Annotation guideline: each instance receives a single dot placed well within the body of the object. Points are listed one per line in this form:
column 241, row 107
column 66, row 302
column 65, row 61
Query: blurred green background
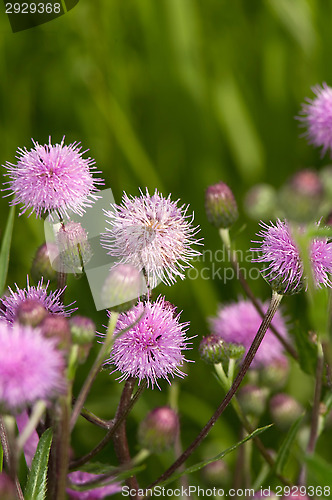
column 174, row 95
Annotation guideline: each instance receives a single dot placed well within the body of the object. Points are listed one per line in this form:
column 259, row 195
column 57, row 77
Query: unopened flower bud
column 83, row 331
column 41, row 265
column 159, row 430
column 213, row 350
column 253, row 400
column 57, row 327
column 302, row 195
column 220, row 206
column 30, row 312
column 261, row 202
column 122, row 287
column 217, row 473
column 274, row 375
column 285, row 410
column 7, row 488
column 74, row 248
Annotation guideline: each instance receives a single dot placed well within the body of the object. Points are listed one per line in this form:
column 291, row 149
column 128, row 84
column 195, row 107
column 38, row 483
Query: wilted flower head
column 31, row 368
column 50, row 301
column 150, row 349
column 238, row 322
column 316, row 115
column 52, row 178
column 80, row 478
column 284, row 269
column 151, row 233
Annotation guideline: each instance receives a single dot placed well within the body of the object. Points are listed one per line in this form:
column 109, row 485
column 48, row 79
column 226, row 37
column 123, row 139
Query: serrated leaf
column 221, row 455
column 307, row 351
column 285, row 448
column 5, row 249
column 36, row 484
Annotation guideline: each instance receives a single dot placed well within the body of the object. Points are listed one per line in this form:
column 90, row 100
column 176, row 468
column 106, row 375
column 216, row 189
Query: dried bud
column 261, row 202
column 159, row 430
column 57, row 327
column 7, row 488
column 284, row 410
column 274, row 375
column 302, row 195
column 213, row 350
column 220, row 206
column 41, row 265
column 74, row 248
column 30, row 312
column 253, row 400
column 122, row 287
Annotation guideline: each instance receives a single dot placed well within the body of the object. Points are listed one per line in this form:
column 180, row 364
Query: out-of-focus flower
column 73, row 248
column 50, row 301
column 41, row 266
column 285, row 410
column 7, row 488
column 316, row 116
column 31, row 368
column 80, row 478
column 159, row 429
column 284, row 269
column 153, row 234
column 52, row 178
column 261, row 202
column 152, row 348
column 122, row 287
column 238, row 323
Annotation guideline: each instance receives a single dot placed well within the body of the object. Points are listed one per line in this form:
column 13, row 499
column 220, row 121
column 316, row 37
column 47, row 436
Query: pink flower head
column 80, row 478
column 284, row 269
column 152, row 233
column 151, row 348
column 52, row 178
column 50, row 301
column 238, row 322
column 31, row 369
column 316, row 115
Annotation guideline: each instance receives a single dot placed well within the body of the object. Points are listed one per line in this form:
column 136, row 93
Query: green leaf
column 319, row 469
column 221, row 455
column 307, row 351
column 5, row 249
column 119, row 472
column 36, row 484
column 285, row 448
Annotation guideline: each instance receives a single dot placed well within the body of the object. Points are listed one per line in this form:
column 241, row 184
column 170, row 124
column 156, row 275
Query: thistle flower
column 150, row 349
column 284, row 269
column 238, row 323
column 52, row 178
column 80, row 478
column 316, row 115
column 153, row 234
column 50, row 301
column 31, row 368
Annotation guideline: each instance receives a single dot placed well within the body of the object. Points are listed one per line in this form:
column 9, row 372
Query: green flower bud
column 220, row 206
column 41, row 265
column 30, row 312
column 159, row 430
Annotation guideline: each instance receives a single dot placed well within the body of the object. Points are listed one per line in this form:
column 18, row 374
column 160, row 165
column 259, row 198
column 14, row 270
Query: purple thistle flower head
column 238, row 323
column 284, row 269
column 31, row 368
column 52, row 178
column 80, row 478
column 152, row 233
column 50, row 301
column 152, row 348
column 316, row 115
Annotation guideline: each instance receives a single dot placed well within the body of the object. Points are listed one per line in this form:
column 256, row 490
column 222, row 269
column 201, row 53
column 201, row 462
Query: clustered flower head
column 31, row 368
column 80, row 478
column 238, row 323
column 316, row 115
column 49, row 300
column 151, row 348
column 153, row 234
column 283, row 265
column 52, row 178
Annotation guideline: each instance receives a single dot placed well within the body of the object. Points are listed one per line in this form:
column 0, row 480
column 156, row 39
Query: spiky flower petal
column 80, row 478
column 151, row 348
column 49, row 300
column 238, row 323
column 153, row 234
column 52, row 178
column 31, row 368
